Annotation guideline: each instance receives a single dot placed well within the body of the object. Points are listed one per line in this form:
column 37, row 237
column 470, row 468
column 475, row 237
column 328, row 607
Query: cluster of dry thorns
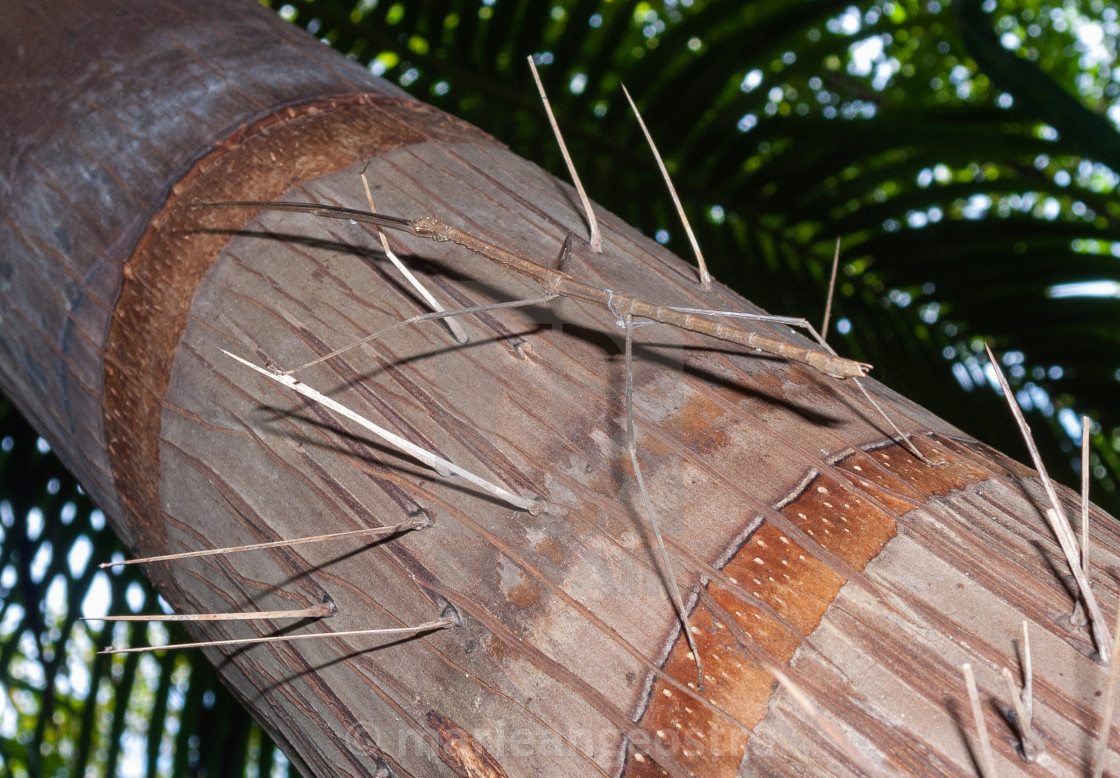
column 557, row 282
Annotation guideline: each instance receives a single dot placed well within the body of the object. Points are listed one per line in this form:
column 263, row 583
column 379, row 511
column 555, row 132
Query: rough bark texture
column 802, row 535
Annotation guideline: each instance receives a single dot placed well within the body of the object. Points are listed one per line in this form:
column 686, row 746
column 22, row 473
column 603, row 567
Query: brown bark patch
column 524, row 593
column 696, row 424
column 840, row 519
column 550, row 550
column 893, row 475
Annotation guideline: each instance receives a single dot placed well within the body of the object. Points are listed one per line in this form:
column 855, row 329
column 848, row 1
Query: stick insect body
column 559, row 283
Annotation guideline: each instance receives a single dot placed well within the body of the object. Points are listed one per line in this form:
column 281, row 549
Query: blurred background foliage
column 965, row 154
column 65, row 711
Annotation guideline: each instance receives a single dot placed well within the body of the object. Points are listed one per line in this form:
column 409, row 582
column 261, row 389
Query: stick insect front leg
column 794, row 321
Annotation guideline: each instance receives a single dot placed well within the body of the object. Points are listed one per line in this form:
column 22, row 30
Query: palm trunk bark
column 802, row 535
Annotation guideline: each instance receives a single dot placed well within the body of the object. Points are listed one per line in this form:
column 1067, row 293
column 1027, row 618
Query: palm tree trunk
column 801, row 534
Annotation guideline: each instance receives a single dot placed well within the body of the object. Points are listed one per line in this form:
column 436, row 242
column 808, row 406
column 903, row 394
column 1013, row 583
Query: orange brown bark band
column 772, row 595
column 261, row 160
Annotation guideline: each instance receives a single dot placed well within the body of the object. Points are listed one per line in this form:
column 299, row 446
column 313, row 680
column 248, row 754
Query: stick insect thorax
column 561, row 284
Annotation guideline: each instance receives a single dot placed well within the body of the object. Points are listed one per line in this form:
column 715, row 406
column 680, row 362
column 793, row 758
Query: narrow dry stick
column 1077, row 618
column 322, row 610
column 987, row 759
column 1027, row 748
column 415, row 523
column 456, row 329
column 426, row 627
column 1058, row 521
column 831, row 291
column 559, row 283
column 823, row 724
column 1060, row 526
column 535, row 506
column 596, row 239
column 1085, row 495
column 632, row 449
column 1109, row 703
column 705, row 276
column 1028, row 674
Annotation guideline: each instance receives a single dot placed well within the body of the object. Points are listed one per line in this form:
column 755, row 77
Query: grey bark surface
column 92, row 142
column 800, row 533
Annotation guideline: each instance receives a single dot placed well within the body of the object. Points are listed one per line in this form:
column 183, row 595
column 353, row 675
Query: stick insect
column 557, row 282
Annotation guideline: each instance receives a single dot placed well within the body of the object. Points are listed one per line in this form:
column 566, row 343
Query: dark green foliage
column 968, row 167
